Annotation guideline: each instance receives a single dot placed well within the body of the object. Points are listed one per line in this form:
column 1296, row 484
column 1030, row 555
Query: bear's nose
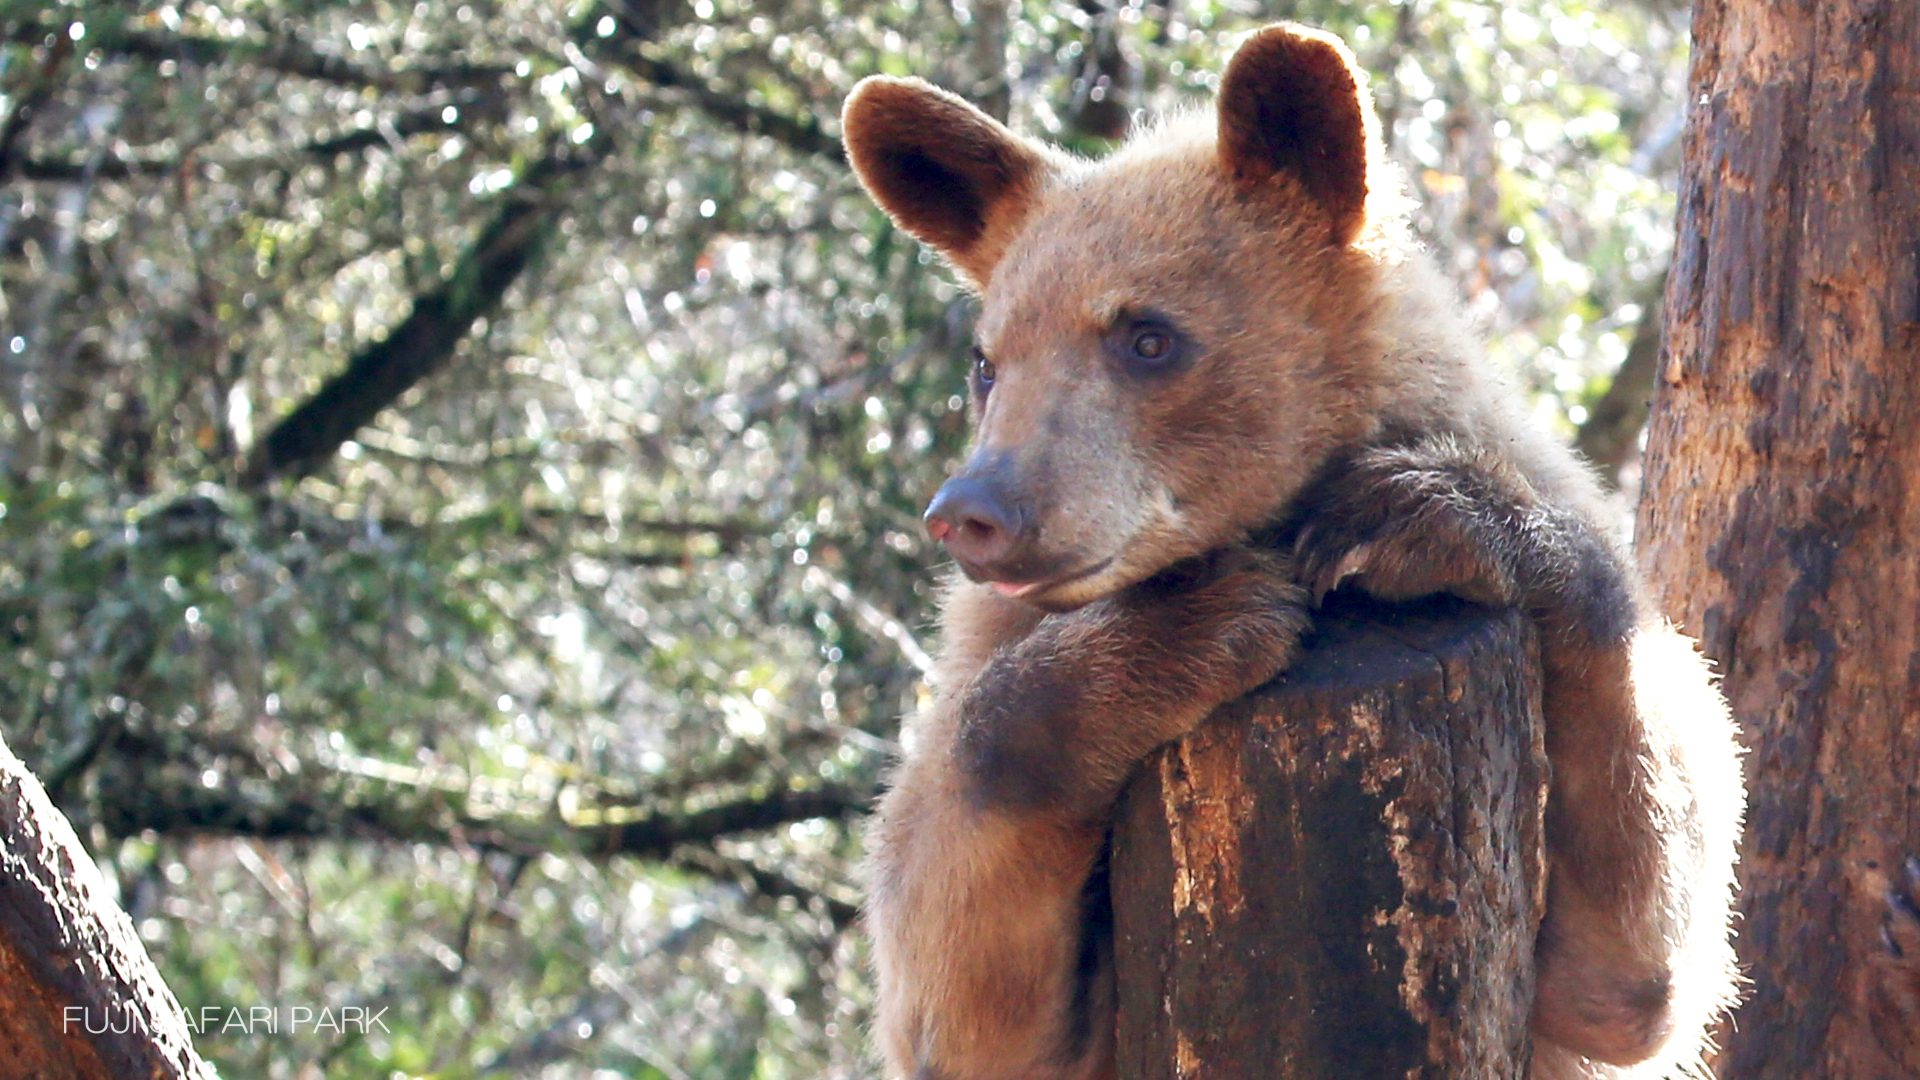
column 975, row 522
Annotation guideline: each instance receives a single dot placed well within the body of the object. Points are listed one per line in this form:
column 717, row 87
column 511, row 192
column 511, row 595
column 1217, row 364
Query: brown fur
column 1214, row 382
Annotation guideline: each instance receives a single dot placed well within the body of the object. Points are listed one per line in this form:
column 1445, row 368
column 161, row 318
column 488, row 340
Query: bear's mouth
column 1036, row 589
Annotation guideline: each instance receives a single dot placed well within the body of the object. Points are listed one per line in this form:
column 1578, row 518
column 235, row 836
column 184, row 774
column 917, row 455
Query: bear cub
column 1219, row 336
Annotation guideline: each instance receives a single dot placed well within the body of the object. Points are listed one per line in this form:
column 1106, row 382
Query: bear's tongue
column 1006, row 588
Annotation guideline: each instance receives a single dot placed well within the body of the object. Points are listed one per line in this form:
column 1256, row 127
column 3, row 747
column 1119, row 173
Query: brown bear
column 1214, row 380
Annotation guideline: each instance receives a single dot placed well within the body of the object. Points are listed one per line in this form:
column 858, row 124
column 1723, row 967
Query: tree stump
column 1342, row 874
column 79, row 997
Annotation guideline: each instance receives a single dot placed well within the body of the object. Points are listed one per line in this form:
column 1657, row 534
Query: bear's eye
column 1148, row 346
column 1151, row 344
column 983, row 371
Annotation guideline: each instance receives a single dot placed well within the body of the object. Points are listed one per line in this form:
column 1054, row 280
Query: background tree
column 460, row 464
column 1781, row 505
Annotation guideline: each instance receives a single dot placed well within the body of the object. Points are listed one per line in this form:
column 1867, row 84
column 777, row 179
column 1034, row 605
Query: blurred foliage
column 541, row 711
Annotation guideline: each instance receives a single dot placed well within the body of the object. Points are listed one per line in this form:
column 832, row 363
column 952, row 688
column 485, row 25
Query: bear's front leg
column 990, row 967
column 1633, row 962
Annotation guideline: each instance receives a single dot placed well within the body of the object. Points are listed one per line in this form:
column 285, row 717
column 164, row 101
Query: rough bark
column 1342, row 875
column 1779, row 504
column 79, row 999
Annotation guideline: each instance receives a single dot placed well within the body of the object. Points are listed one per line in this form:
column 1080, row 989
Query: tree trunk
column 79, row 999
column 1780, row 507
column 1342, row 875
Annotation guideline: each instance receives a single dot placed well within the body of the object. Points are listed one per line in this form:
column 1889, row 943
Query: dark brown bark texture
column 1342, row 874
column 79, row 999
column 1779, row 508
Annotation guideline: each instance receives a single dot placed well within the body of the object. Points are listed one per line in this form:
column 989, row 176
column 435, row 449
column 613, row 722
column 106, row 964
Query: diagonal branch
column 802, row 133
column 425, row 340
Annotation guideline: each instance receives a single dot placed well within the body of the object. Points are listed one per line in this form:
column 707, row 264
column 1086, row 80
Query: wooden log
column 1342, row 874
column 79, row 997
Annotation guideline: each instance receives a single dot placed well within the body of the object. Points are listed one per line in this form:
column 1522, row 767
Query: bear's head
column 1171, row 341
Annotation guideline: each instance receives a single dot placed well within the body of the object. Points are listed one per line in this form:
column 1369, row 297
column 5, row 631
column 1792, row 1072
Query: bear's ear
column 1294, row 102
column 943, row 170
